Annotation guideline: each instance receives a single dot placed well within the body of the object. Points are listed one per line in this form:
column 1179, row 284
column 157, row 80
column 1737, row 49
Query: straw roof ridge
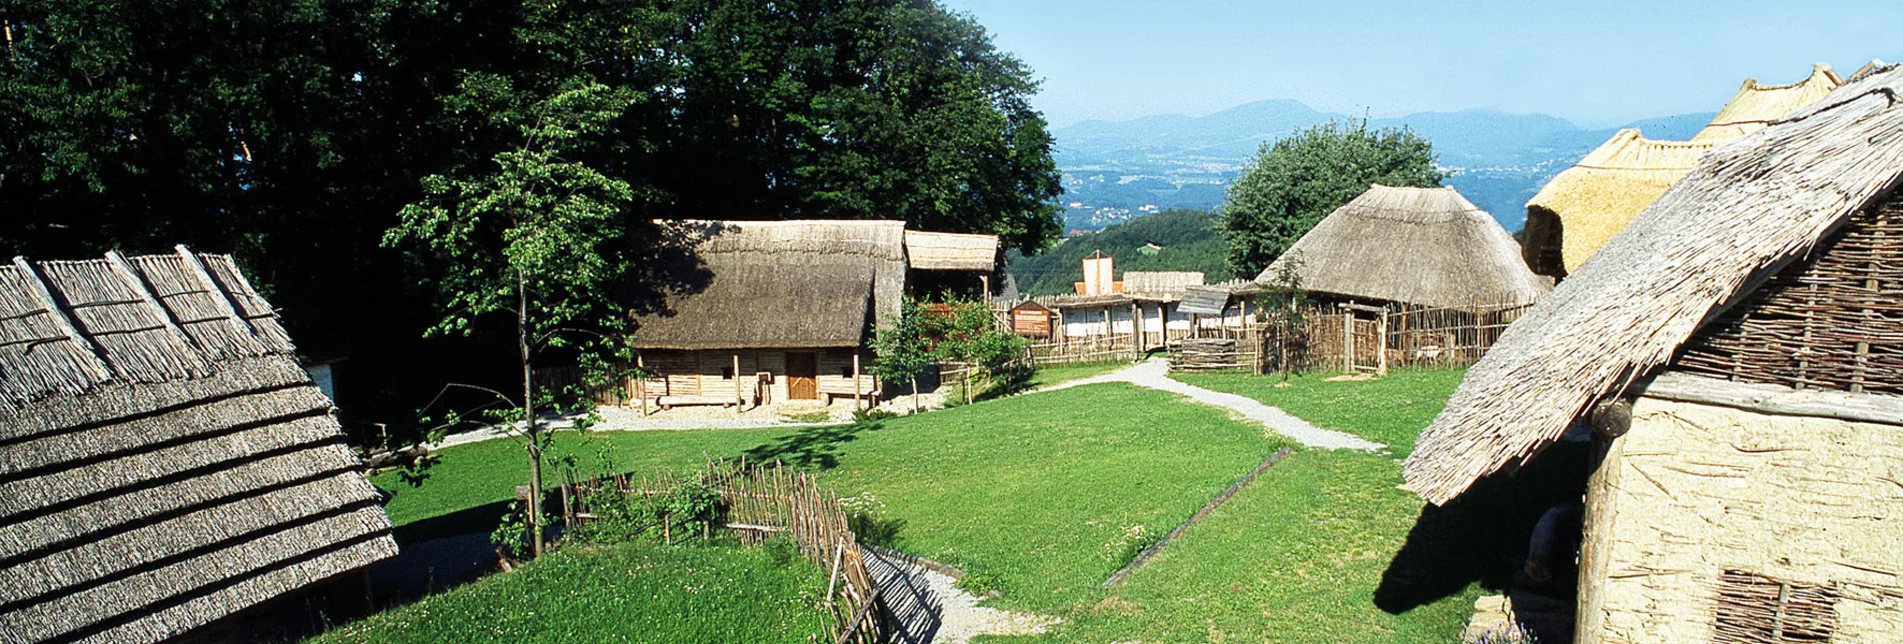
column 1752, row 206
column 1426, row 246
column 73, row 326
column 1755, row 105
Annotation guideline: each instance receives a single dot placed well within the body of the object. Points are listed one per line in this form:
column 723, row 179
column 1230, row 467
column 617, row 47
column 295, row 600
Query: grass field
column 631, row 592
column 1026, row 492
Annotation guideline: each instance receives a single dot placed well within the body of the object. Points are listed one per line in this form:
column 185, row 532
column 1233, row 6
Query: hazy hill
column 1113, row 170
column 1187, row 237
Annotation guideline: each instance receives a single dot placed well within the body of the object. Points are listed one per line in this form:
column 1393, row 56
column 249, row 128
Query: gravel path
column 1154, row 374
column 926, row 607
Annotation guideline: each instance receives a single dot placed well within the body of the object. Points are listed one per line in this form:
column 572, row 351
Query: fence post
column 1347, row 340
column 1381, row 344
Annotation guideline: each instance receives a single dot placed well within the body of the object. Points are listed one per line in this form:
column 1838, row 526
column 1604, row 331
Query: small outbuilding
column 1737, row 355
column 1420, row 246
column 165, row 460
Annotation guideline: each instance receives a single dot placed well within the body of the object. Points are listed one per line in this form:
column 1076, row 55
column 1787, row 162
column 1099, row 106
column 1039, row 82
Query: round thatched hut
column 1420, row 246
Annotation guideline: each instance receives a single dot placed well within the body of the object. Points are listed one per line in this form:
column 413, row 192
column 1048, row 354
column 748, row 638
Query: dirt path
column 1154, row 374
column 926, row 607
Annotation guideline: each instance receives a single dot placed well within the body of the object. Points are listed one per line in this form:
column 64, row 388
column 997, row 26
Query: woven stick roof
column 1751, row 206
column 1756, row 106
column 1585, row 205
column 166, row 459
column 1414, row 245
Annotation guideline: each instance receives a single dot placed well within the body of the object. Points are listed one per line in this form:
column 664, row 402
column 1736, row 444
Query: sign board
column 1031, row 319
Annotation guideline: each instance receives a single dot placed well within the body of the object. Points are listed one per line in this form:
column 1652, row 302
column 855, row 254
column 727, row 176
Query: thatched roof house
column 794, row 300
column 1738, row 352
column 1425, row 246
column 1756, row 106
column 166, row 461
column 1575, row 213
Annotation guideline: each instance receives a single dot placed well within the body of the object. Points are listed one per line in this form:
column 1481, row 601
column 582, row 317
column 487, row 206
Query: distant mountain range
column 1116, row 171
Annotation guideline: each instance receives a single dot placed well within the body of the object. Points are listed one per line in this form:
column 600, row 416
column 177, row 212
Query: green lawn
column 1047, row 376
column 631, row 592
column 1391, row 409
column 1027, row 490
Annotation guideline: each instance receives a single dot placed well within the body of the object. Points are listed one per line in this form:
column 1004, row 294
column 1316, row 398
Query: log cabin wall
column 708, row 373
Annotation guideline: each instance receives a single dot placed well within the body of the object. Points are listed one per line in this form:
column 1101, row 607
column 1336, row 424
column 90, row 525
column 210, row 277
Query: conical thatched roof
column 802, row 283
column 1575, row 213
column 1427, row 246
column 166, row 462
column 1751, row 207
column 1756, row 106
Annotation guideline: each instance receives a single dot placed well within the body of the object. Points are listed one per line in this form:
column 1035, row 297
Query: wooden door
column 802, row 376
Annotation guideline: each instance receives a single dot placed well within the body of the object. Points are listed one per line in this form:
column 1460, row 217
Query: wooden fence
column 758, row 502
column 1355, row 338
column 1096, row 348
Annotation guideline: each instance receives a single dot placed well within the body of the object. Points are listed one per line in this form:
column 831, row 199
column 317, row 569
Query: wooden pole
column 855, row 379
column 641, row 382
column 1347, row 339
column 1381, row 345
column 739, row 395
column 1136, row 327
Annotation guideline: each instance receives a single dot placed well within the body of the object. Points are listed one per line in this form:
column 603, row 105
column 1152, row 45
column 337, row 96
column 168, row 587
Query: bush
column 1129, row 543
column 865, row 516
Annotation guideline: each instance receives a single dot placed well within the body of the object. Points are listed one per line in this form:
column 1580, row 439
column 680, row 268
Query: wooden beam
column 641, row 382
column 92, row 361
column 1774, row 399
column 855, row 378
column 739, row 394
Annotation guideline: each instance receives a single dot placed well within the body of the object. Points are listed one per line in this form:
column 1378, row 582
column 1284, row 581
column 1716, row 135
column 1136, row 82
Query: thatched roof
column 1575, row 213
column 166, row 461
column 1213, row 299
column 785, row 284
column 1756, row 106
column 1160, row 283
column 1425, row 246
column 1752, row 206
column 951, row 251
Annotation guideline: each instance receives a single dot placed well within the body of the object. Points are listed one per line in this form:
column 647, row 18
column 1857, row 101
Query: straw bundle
column 1425, row 246
column 1756, row 106
column 1575, row 213
column 951, row 251
column 1751, row 207
column 167, row 461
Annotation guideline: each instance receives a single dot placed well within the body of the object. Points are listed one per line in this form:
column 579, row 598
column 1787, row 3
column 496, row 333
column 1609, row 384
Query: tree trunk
column 529, row 426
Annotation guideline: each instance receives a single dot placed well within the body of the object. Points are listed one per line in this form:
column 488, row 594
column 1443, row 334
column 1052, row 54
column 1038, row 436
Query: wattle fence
column 759, row 502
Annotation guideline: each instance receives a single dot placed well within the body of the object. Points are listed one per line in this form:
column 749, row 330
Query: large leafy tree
column 292, row 133
column 1298, row 180
column 536, row 235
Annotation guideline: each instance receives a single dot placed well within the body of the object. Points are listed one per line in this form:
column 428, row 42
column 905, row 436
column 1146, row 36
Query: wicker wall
column 1833, row 321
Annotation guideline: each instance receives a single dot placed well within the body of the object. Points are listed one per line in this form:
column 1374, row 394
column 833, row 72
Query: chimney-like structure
column 1099, row 276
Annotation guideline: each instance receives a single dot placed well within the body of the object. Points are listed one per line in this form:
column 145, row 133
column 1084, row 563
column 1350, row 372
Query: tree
column 904, row 347
column 1296, row 182
column 994, row 357
column 537, row 236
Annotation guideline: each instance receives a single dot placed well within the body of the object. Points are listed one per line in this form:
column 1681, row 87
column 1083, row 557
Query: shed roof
column 951, row 251
column 167, row 462
column 1586, row 204
column 1750, row 207
column 1160, row 283
column 1415, row 245
column 784, row 284
column 1755, row 106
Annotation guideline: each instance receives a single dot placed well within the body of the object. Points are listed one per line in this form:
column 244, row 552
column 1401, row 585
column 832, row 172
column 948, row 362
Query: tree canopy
column 1298, row 180
column 291, row 134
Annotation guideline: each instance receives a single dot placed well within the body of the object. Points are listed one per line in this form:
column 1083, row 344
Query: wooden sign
column 1031, row 319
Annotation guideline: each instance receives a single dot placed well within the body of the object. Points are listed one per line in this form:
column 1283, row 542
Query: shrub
column 1129, row 543
column 865, row 515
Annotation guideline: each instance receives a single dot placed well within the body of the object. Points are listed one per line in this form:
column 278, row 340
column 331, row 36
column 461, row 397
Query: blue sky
column 1595, row 62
